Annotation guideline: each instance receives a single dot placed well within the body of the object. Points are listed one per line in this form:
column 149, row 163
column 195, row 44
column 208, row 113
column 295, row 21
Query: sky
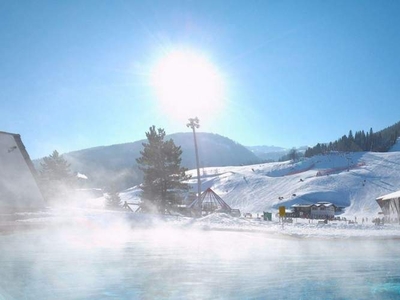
column 81, row 74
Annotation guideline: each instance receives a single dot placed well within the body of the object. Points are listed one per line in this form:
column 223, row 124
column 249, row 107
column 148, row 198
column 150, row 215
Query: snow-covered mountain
column 268, row 153
column 272, row 153
column 267, row 149
column 350, row 180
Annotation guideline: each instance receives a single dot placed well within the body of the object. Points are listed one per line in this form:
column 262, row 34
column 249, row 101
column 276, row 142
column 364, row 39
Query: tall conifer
column 163, row 175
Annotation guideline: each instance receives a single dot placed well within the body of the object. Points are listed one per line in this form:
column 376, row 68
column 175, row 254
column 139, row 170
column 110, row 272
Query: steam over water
column 119, row 262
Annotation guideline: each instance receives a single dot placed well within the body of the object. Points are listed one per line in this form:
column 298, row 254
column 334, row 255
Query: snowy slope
column 351, row 180
column 395, row 147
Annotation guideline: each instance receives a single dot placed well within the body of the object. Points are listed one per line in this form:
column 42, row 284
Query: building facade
column 19, row 189
column 390, row 205
column 319, row 210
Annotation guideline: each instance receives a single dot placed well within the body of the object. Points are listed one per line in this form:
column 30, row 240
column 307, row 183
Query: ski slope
column 349, row 180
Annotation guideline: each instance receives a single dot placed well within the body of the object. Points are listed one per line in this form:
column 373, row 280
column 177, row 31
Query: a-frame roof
column 210, row 200
column 18, row 177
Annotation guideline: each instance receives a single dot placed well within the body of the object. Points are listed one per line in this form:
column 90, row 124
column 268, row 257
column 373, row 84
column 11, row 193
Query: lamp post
column 194, row 123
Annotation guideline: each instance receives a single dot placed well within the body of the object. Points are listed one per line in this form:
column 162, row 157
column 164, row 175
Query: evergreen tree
column 112, row 197
column 371, row 140
column 350, row 136
column 56, row 176
column 362, row 141
column 163, row 176
column 293, row 154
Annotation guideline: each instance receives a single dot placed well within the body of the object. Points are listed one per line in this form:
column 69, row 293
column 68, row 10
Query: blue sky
column 75, row 74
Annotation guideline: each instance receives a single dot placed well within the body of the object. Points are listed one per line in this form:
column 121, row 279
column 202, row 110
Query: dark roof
column 318, row 204
column 3, row 132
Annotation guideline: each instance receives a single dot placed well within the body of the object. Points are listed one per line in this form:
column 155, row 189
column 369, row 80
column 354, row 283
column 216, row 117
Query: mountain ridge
column 117, row 162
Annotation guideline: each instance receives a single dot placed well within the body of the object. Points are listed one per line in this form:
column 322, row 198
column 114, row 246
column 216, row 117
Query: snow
column 396, row 147
column 303, row 228
column 129, row 255
column 390, row 196
column 99, row 219
column 350, row 180
column 81, row 176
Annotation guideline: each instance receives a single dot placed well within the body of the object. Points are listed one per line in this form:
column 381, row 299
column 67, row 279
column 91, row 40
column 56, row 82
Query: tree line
column 380, row 141
column 164, row 181
column 58, row 182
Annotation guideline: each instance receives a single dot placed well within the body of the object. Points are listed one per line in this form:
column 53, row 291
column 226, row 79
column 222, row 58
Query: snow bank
column 99, row 220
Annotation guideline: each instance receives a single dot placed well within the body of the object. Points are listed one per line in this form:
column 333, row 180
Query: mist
column 97, row 254
column 78, row 248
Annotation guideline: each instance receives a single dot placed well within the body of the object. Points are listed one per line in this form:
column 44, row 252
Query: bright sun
column 187, row 85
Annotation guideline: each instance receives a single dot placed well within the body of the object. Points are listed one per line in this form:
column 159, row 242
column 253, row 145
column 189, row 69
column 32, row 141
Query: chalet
column 323, row 210
column 390, row 205
column 319, row 210
column 302, row 210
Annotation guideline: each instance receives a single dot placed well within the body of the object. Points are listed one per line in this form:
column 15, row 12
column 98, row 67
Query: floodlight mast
column 194, row 123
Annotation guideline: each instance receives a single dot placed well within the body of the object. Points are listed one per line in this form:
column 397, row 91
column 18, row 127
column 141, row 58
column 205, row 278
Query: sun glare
column 187, row 84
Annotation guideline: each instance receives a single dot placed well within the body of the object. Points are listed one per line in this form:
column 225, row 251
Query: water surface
column 172, row 263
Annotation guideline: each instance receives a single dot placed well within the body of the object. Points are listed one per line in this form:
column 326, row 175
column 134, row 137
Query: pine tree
column 371, row 140
column 55, row 167
column 112, row 197
column 293, row 155
column 56, row 176
column 163, row 176
column 361, row 141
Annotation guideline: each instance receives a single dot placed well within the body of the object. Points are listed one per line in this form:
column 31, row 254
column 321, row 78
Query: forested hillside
column 380, row 141
column 118, row 162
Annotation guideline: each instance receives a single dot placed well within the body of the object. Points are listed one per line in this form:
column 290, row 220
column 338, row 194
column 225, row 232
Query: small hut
column 210, row 202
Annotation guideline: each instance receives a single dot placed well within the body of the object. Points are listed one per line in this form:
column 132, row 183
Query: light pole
column 194, row 123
